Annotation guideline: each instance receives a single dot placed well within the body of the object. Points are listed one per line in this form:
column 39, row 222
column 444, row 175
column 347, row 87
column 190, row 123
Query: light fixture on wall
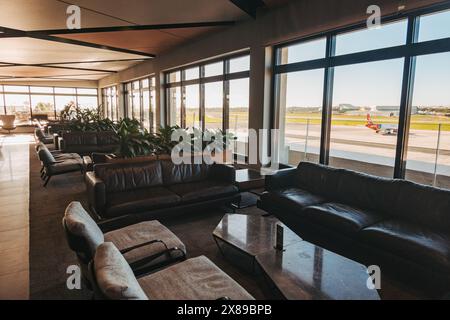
column 401, row 5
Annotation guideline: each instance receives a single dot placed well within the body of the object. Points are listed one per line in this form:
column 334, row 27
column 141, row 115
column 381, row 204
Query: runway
column 365, row 145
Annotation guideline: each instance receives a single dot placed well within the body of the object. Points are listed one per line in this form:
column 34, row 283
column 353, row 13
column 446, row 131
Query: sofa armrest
column 284, row 178
column 61, row 144
column 96, row 190
column 223, row 172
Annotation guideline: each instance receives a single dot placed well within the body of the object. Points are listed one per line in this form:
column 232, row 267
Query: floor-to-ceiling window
column 212, row 96
column 110, row 102
column 379, row 96
column 140, row 101
column 29, row 102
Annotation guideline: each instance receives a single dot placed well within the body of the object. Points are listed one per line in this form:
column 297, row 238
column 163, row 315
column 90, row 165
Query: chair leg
column 42, row 170
column 43, row 175
column 47, row 181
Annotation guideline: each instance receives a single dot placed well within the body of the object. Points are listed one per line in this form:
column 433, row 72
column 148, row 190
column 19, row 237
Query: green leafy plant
column 163, row 140
column 134, row 140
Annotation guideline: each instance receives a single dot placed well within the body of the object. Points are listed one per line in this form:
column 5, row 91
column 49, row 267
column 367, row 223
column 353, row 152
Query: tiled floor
column 14, row 217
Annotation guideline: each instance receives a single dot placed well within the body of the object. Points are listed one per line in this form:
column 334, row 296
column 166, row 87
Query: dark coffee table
column 248, row 179
column 300, row 271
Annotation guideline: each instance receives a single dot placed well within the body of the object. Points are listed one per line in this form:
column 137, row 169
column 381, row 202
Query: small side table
column 251, row 181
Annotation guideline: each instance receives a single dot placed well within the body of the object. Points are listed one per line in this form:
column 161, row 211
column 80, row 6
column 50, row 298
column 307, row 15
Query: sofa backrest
column 424, row 205
column 80, row 138
column 183, row 173
column 397, row 198
column 46, row 156
column 124, row 177
column 107, row 138
column 367, row 191
column 318, row 179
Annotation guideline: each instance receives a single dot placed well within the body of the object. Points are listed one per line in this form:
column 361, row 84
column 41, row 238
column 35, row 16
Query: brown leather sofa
column 126, row 193
column 85, row 143
column 393, row 223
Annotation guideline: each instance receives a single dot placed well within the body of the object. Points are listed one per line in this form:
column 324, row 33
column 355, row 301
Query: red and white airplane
column 383, row 128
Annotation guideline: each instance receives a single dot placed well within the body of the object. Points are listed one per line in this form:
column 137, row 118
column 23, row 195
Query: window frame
column 409, row 51
column 225, row 78
column 27, row 91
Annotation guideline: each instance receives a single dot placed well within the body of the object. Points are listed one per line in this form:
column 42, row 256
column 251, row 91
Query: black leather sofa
column 85, row 143
column 123, row 194
column 397, row 224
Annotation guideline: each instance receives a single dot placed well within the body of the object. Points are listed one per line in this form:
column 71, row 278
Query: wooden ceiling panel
column 32, row 51
column 27, row 71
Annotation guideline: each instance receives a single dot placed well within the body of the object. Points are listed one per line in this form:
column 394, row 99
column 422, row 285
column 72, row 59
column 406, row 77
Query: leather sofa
column 125, row 193
column 85, row 143
column 397, row 224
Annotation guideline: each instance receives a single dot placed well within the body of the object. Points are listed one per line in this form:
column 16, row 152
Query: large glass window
column 304, row 51
column 361, row 100
column 192, row 101
column 366, row 108
column 300, row 115
column 28, row 102
column 18, row 105
column 140, row 100
column 434, row 26
column 197, row 100
column 429, row 135
column 214, row 105
column 175, row 106
column 136, row 103
column 43, row 105
column 239, row 113
column 388, row 35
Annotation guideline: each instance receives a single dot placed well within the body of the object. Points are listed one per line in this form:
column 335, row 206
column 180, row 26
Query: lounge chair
column 146, row 246
column 193, row 279
column 53, row 165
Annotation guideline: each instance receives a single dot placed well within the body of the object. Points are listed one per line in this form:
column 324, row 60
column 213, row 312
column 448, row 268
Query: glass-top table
column 300, row 271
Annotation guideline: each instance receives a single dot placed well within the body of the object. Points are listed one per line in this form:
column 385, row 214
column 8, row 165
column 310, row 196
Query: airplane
column 383, row 128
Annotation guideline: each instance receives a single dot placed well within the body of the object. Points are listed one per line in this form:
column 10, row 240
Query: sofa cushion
column 341, row 217
column 194, row 279
column 80, row 224
column 141, row 233
column 424, row 205
column 414, row 242
column 68, row 165
column 114, row 276
column 202, row 190
column 125, row 177
column 292, row 199
column 183, row 173
column 366, row 191
column 139, row 200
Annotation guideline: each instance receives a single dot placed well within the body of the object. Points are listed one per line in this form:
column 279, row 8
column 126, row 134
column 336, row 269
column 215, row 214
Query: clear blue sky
column 375, row 83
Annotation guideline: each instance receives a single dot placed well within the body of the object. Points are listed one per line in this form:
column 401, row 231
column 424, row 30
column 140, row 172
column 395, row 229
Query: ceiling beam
column 249, row 6
column 135, row 27
column 34, row 35
column 7, row 64
column 93, row 61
